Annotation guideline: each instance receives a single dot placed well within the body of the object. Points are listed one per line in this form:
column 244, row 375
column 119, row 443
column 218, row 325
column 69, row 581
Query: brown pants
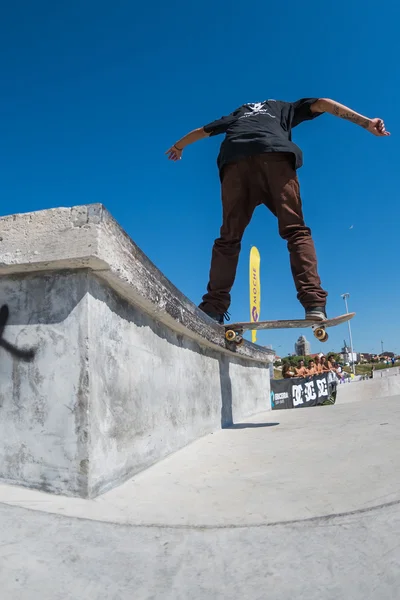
column 268, row 179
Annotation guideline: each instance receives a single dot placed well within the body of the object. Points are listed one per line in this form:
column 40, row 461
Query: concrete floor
column 296, row 504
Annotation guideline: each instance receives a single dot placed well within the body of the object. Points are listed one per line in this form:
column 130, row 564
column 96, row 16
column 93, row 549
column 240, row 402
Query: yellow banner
column 255, row 289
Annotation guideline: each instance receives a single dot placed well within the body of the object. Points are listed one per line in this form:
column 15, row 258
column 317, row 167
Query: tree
column 293, row 360
column 336, row 357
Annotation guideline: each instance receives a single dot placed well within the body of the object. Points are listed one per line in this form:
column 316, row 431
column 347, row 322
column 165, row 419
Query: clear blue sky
column 93, row 93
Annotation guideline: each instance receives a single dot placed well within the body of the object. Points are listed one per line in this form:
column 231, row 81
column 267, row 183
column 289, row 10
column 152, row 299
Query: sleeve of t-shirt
column 301, row 111
column 221, row 125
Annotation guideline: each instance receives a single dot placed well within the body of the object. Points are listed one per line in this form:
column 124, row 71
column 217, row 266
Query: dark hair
column 286, row 367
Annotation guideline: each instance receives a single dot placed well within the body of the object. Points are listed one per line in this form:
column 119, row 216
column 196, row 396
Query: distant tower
column 302, row 346
column 346, row 353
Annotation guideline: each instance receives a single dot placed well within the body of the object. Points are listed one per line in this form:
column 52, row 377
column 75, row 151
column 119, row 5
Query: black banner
column 298, row 392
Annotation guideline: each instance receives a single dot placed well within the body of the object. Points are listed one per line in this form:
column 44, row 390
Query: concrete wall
column 379, row 373
column 44, row 421
column 152, row 390
column 369, row 389
column 127, row 369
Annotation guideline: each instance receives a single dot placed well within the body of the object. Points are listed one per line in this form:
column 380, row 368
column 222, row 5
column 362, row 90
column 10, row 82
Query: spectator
column 332, row 363
column 288, row 371
column 318, row 365
column 301, row 370
column 311, row 368
column 324, row 365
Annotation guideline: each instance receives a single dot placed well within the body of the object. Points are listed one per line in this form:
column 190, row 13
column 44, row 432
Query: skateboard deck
column 234, row 332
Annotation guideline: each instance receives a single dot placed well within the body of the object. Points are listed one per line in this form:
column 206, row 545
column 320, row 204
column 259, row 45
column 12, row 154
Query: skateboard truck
column 320, row 333
column 234, row 336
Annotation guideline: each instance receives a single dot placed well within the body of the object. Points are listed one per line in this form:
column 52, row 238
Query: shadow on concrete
column 226, row 392
column 251, row 425
column 226, row 399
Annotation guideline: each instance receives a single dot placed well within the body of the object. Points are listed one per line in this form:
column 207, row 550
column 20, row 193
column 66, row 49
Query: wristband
column 179, row 149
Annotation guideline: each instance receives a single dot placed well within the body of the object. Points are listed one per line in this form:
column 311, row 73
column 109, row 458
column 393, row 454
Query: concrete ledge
column 127, row 369
column 88, row 237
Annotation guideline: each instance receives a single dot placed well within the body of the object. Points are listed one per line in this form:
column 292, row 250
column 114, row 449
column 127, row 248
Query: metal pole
column 382, row 346
column 345, row 296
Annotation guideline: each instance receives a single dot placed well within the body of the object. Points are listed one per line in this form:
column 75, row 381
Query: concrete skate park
column 139, row 457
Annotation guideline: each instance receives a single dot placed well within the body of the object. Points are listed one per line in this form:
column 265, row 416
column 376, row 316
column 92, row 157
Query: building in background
column 302, row 346
column 347, row 355
column 367, row 357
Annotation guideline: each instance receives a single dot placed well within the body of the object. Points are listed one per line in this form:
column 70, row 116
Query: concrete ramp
column 126, row 371
column 290, row 504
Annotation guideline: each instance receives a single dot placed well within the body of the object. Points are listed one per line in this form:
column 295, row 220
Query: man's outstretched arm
column 375, row 126
column 175, row 152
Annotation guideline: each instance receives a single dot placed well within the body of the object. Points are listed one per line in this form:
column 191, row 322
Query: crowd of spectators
column 314, row 366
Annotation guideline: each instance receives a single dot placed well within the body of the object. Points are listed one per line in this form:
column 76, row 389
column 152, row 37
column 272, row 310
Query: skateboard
column 234, row 332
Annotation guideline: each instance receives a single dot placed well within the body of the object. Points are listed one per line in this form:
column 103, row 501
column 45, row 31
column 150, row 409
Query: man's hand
column 377, row 127
column 174, row 153
column 374, row 126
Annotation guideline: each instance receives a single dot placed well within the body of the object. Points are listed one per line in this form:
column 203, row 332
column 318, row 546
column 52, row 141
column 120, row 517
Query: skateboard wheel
column 320, row 334
column 239, row 340
column 325, row 338
column 230, row 335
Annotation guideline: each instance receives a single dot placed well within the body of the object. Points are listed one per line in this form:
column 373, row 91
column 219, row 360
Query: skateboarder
column 257, row 165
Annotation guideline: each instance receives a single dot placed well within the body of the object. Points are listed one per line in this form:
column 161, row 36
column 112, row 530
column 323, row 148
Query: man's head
column 311, row 364
column 301, row 363
column 317, row 360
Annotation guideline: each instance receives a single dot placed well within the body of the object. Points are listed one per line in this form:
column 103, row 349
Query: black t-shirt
column 261, row 127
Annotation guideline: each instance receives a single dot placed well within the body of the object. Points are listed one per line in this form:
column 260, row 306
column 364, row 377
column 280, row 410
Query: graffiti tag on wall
column 23, row 354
